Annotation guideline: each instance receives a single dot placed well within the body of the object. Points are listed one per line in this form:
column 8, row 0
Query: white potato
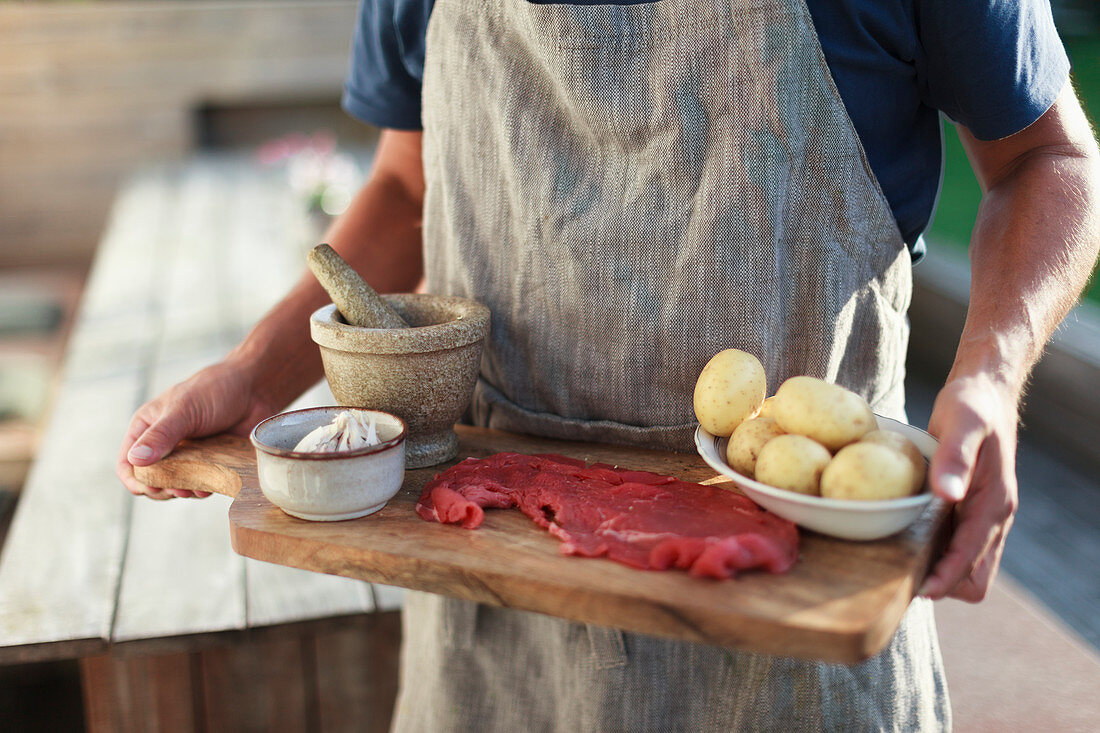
column 828, row 413
column 767, row 409
column 904, row 446
column 868, row 471
column 729, row 390
column 792, row 462
column 746, row 442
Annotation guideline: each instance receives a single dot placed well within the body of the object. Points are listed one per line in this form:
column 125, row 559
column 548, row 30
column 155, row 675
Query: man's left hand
column 975, row 421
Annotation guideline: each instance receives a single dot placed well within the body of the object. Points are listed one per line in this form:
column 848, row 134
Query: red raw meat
column 638, row 518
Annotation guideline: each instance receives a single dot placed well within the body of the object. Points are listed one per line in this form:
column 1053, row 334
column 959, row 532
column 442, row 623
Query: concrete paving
column 1012, row 666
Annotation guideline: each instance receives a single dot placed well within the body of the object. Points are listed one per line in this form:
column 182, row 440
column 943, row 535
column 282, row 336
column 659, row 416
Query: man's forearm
column 1033, row 247
column 379, row 236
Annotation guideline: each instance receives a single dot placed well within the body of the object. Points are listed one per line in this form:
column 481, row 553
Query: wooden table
column 169, row 623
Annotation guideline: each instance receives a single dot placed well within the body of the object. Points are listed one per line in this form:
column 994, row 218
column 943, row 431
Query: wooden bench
column 173, row 629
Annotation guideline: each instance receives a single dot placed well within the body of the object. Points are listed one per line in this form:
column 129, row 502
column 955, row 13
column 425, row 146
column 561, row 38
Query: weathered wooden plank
column 225, row 265
column 190, row 260
column 60, row 563
column 141, row 693
column 180, row 575
column 121, row 281
column 278, row 594
column 357, row 674
column 59, row 570
column 265, row 685
column 271, row 236
column 388, row 597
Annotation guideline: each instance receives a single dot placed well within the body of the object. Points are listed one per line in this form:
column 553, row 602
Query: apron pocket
column 492, row 409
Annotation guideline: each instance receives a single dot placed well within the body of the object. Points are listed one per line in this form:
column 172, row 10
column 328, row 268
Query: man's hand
column 219, row 398
column 975, row 422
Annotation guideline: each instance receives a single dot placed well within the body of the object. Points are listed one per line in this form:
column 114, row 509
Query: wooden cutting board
column 841, row 602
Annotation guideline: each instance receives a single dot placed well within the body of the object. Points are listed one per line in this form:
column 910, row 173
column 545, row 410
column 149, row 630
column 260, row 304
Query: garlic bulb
column 349, row 430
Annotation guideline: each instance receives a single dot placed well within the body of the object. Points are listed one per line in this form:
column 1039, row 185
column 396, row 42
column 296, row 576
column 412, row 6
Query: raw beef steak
column 638, row 518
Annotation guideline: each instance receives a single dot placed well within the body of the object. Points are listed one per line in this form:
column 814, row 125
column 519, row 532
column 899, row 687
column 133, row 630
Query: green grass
column 960, row 196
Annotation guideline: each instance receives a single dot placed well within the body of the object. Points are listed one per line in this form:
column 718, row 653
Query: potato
column 729, row 390
column 746, row 442
column 904, row 446
column 792, row 462
column 767, row 409
column 868, row 471
column 827, row 413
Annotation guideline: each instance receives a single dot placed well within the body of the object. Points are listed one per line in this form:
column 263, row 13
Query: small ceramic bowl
column 327, row 487
column 845, row 518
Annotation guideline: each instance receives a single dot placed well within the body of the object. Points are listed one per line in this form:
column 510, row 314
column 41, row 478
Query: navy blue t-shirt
column 994, row 66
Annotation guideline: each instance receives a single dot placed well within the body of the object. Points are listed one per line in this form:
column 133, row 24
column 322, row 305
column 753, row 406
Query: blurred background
column 93, row 92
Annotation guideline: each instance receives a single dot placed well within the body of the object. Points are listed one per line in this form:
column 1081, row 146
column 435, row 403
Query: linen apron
column 631, row 189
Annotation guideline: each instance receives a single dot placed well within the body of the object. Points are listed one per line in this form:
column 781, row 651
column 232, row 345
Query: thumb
column 949, row 472
column 158, row 439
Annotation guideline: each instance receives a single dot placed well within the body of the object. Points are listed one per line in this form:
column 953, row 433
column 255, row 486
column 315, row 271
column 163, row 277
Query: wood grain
column 841, row 602
column 61, row 563
column 357, row 673
column 265, row 685
column 140, row 693
column 179, row 575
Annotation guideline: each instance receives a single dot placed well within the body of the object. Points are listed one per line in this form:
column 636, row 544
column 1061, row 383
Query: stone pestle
column 358, row 302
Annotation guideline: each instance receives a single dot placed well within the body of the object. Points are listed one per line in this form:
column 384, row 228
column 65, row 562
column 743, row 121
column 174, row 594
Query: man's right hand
column 220, row 398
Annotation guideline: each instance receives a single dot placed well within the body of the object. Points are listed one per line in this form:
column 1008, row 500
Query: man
column 631, row 189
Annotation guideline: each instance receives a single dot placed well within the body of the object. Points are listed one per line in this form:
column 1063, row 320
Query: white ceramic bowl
column 845, row 518
column 328, row 487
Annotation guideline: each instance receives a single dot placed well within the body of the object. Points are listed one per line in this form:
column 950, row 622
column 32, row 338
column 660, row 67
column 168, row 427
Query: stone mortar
column 424, row 374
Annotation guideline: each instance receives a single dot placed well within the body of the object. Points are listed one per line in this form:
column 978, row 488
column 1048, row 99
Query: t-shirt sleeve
column 387, row 64
column 994, row 66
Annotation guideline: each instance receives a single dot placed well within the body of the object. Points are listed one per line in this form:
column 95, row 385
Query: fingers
column 972, row 543
column 983, row 520
column 125, row 473
column 961, row 434
column 141, row 432
column 975, row 588
column 973, row 467
column 975, row 584
column 159, row 437
column 216, row 398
